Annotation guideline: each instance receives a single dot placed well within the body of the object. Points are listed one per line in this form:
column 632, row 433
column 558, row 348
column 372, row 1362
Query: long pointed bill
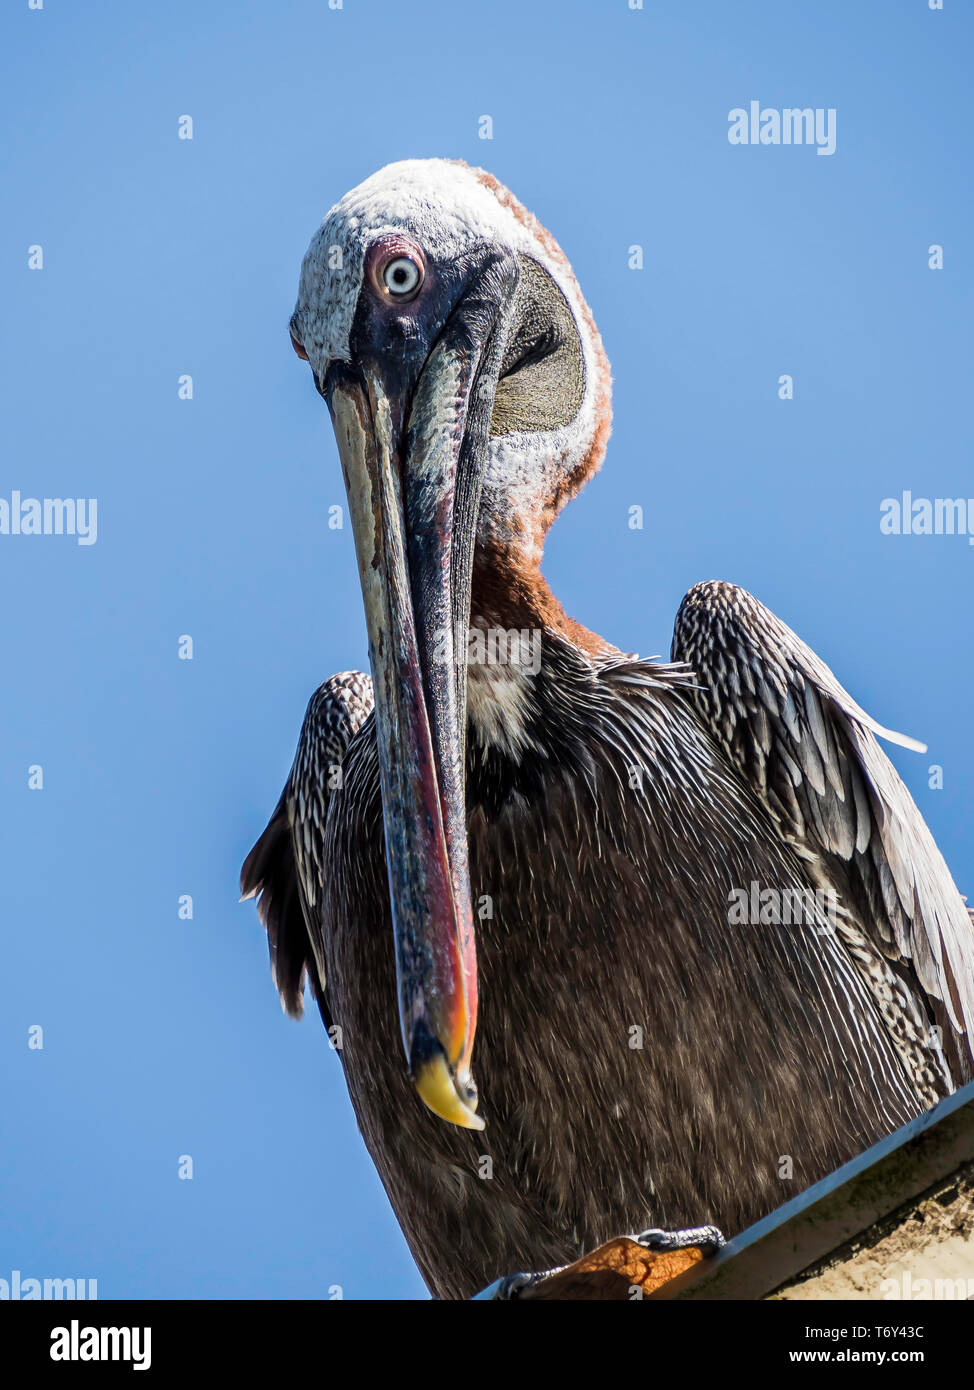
column 413, row 489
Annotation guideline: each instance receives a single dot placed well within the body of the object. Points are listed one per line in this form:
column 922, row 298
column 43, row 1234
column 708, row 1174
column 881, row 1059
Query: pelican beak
column 412, row 442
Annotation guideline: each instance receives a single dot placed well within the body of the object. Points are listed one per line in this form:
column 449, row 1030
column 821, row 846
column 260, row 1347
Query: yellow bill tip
column 438, row 1090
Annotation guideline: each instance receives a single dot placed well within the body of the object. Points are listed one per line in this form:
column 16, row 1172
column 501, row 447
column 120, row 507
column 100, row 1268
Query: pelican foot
column 514, row 1285
column 707, row 1238
column 570, row 1281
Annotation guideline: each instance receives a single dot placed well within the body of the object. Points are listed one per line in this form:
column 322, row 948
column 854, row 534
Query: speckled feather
column 284, row 871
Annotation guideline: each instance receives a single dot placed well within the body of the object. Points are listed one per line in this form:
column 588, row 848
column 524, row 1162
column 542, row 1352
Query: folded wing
column 811, row 753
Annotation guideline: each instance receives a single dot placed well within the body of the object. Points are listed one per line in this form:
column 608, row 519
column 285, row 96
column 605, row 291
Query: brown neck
column 509, row 591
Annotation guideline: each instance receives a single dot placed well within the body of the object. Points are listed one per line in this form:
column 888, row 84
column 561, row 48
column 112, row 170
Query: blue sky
column 163, row 1037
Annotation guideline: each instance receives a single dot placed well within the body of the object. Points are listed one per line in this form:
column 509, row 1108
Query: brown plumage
column 642, row 1057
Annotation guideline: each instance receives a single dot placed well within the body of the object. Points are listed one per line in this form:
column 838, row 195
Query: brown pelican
column 710, row 939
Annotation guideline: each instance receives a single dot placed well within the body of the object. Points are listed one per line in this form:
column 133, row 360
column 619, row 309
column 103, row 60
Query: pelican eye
column 402, row 277
column 396, row 268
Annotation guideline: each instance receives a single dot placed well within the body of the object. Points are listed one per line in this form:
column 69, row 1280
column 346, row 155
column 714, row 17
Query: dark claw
column 513, row 1285
column 708, row 1238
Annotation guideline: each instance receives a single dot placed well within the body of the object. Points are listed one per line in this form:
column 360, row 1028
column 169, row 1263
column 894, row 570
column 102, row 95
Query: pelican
column 663, row 942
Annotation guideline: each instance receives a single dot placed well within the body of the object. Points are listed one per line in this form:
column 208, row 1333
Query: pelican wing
column 285, row 869
column 811, row 754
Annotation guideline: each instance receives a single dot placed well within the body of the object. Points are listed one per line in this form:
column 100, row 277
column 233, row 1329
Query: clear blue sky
column 163, row 1036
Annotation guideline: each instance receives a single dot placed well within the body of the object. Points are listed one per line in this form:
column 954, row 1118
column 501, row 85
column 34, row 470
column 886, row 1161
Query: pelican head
column 469, row 393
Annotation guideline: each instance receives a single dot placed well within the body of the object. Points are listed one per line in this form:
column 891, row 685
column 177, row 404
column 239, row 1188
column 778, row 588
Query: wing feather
column 285, row 869
column 812, row 753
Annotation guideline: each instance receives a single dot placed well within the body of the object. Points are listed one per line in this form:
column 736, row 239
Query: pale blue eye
column 402, row 276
